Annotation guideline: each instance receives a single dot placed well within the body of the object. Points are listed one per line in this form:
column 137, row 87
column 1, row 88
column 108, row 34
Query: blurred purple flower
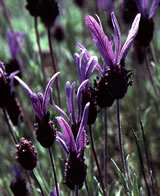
column 15, row 41
column 142, row 6
column 107, row 5
column 54, row 192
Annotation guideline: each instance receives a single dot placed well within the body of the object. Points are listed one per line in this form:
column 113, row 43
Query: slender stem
column 120, row 137
column 95, row 157
column 38, row 183
column 10, row 126
column 39, row 49
column 105, row 149
column 76, row 190
column 54, row 63
column 87, row 189
column 54, row 170
column 141, row 162
column 147, row 157
column 151, row 77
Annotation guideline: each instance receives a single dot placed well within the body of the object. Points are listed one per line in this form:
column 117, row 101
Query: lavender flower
column 19, row 185
column 114, row 79
column 86, row 65
column 76, row 169
column 146, row 26
column 15, row 41
column 8, row 99
column 44, row 127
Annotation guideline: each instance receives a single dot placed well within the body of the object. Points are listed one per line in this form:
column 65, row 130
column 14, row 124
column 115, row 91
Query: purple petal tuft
column 131, row 35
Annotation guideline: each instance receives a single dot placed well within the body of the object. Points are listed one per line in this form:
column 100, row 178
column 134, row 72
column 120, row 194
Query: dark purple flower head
column 18, row 185
column 15, row 41
column 146, row 26
column 105, row 46
column 54, row 192
column 44, row 127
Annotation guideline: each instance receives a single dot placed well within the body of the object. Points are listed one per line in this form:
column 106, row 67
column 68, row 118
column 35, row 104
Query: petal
column 80, row 135
column 91, row 65
column 118, row 37
column 131, row 35
column 24, row 85
column 153, row 7
column 79, row 98
column 44, row 105
column 67, row 134
column 69, row 96
column 60, row 139
column 11, row 77
column 56, row 107
column 37, row 106
column 2, row 66
column 101, row 40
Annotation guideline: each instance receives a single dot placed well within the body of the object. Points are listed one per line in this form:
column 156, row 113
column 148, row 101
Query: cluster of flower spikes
column 26, row 154
column 47, row 10
column 146, row 26
column 115, row 78
column 44, row 127
column 86, row 65
column 19, row 185
column 8, row 98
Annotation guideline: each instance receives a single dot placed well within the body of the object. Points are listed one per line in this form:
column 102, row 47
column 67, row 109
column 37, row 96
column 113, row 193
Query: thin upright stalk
column 54, row 170
column 10, row 126
column 151, row 77
column 87, row 189
column 96, row 160
column 105, row 150
column 76, row 190
column 39, row 49
column 54, row 63
column 141, row 162
column 38, row 183
column 150, row 170
column 120, row 137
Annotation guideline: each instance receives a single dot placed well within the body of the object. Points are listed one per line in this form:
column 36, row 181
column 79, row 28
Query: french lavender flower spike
column 15, row 40
column 44, row 104
column 153, row 8
column 67, row 134
column 100, row 40
column 118, row 37
column 130, row 38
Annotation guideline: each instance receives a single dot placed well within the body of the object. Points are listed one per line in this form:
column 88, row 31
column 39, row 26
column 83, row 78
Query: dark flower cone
column 14, row 109
column 26, row 154
column 12, row 66
column 118, row 80
column 48, row 12
column 145, row 32
column 45, row 131
column 59, row 33
column 79, row 3
column 89, row 96
column 33, row 6
column 75, row 171
column 19, row 187
column 104, row 95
